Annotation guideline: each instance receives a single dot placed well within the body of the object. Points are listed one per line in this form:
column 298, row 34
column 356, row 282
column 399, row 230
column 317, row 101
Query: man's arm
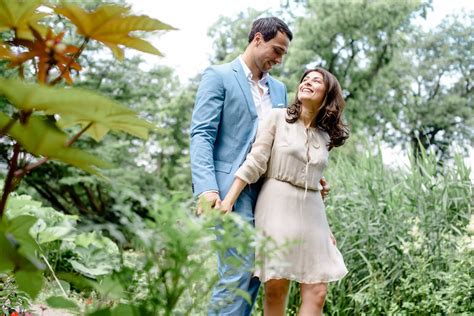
column 204, row 127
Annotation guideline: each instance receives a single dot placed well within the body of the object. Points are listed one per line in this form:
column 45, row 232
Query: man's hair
column 269, row 27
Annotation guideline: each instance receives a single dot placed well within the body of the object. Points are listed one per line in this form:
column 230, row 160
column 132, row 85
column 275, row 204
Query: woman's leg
column 312, row 299
column 275, row 297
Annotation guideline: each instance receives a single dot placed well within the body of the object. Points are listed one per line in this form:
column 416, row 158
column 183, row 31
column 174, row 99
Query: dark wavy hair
column 329, row 118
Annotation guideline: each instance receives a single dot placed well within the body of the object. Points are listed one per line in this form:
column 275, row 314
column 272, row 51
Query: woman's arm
column 228, row 203
column 256, row 162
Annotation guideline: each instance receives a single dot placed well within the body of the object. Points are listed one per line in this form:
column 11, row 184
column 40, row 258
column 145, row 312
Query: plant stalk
column 8, row 186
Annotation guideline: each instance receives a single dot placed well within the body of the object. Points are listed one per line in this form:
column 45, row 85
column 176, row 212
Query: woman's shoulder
column 274, row 118
column 278, row 113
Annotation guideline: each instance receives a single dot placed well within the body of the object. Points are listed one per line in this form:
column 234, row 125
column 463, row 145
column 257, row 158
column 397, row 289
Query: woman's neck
column 308, row 114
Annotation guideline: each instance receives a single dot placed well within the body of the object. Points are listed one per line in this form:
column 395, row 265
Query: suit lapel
column 244, row 86
column 277, row 101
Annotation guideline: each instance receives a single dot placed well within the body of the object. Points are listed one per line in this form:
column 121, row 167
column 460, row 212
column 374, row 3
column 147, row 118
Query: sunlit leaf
column 19, row 15
column 112, row 25
column 5, row 53
column 41, row 138
column 76, row 106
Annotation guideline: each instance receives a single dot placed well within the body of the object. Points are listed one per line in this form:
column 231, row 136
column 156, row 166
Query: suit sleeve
column 256, row 162
column 204, row 127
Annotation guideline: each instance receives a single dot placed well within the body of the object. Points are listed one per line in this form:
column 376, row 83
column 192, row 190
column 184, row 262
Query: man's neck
column 256, row 73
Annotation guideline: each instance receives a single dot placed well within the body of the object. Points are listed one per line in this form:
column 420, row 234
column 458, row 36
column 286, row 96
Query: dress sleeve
column 255, row 165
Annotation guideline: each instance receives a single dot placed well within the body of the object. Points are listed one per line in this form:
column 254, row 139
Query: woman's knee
column 314, row 293
column 276, row 290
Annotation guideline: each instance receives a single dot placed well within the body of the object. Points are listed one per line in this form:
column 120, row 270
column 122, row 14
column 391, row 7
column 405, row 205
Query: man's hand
column 208, row 200
column 326, row 188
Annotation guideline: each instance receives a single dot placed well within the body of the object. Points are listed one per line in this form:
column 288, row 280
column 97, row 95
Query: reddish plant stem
column 8, row 186
column 76, row 137
column 74, row 57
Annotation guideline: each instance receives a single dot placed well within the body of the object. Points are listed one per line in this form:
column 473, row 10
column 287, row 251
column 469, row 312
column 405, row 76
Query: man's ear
column 258, row 38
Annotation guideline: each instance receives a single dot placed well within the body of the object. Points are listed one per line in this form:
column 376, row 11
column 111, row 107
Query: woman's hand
column 226, row 206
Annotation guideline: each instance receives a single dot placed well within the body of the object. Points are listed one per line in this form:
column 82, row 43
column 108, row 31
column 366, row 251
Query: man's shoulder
column 221, row 68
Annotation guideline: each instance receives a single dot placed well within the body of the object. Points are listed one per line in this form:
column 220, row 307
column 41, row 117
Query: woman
column 291, row 149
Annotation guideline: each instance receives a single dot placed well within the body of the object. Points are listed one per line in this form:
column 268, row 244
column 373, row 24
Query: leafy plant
column 31, row 121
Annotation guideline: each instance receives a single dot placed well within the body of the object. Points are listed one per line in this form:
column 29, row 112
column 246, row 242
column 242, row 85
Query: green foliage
column 399, row 232
column 172, row 271
column 91, row 254
column 30, row 123
column 50, row 225
column 10, row 297
column 42, row 138
column 61, row 302
column 75, row 106
column 19, row 254
column 425, row 94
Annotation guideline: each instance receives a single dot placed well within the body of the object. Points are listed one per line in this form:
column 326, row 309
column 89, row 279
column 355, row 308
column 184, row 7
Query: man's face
column 270, row 53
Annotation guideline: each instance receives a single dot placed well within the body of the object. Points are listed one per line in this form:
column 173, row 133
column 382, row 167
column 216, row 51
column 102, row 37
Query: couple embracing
column 255, row 154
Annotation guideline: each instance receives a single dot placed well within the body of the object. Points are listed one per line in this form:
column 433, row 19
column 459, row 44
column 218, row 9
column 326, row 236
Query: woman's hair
column 329, row 118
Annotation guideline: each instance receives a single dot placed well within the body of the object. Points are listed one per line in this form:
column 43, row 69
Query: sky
column 188, row 49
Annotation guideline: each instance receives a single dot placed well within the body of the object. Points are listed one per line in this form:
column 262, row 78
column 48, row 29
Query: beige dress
column 289, row 208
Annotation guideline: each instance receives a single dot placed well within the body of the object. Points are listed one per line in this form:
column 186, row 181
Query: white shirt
column 263, row 102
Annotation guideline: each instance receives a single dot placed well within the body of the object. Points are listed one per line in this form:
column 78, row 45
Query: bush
column 403, row 236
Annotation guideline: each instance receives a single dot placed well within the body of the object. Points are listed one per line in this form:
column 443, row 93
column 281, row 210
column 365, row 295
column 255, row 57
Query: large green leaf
column 42, row 138
column 30, row 282
column 7, row 259
column 94, row 255
column 19, row 254
column 76, row 106
column 20, row 16
column 61, row 302
column 50, row 225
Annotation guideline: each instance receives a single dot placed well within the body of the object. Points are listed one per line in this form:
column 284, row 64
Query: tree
column 354, row 40
column 230, row 35
column 425, row 93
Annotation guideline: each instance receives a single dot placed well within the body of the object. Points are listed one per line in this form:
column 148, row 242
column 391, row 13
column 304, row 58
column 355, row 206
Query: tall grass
column 403, row 235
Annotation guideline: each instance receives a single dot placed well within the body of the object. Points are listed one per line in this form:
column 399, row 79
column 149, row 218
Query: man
column 231, row 100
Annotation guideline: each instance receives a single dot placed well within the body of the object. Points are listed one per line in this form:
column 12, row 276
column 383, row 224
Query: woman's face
column 312, row 89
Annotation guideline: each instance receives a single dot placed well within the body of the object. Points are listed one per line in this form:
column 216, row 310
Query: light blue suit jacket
column 224, row 125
